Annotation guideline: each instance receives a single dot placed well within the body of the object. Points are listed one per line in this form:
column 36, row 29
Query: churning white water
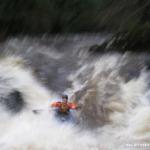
column 111, row 89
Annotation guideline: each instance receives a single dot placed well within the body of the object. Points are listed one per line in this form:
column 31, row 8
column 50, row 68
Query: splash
column 111, row 89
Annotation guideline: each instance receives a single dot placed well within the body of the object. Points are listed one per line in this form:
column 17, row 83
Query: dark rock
column 14, row 101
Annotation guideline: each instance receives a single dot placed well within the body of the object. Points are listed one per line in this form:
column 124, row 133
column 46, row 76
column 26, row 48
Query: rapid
column 111, row 88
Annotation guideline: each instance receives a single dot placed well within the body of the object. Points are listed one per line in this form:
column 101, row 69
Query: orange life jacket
column 64, row 107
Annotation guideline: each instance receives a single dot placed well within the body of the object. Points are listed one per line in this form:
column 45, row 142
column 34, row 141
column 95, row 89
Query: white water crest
column 111, row 89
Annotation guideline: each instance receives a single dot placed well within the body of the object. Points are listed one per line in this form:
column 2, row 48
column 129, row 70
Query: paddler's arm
column 73, row 106
column 55, row 104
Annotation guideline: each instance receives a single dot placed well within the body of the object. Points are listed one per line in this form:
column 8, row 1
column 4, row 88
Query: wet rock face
column 14, row 102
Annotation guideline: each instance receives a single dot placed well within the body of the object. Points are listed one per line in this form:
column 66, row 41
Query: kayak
column 63, row 116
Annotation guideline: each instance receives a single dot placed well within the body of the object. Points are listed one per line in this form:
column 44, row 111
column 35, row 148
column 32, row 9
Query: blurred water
column 112, row 90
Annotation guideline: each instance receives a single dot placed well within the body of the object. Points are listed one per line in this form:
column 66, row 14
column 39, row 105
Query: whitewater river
column 112, row 90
